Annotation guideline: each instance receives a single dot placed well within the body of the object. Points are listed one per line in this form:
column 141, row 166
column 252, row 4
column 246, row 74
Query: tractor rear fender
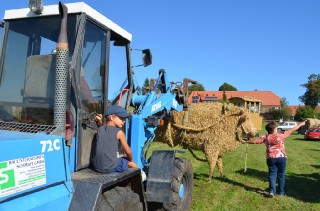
column 160, row 175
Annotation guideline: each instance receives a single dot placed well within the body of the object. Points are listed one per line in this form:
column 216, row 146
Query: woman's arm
column 257, row 141
column 299, row 125
column 288, row 132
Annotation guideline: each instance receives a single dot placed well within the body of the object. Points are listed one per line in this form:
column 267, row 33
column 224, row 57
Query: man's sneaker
column 271, row 195
column 143, row 175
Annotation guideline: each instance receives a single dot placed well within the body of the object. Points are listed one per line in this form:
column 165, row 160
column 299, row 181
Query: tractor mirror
column 146, row 57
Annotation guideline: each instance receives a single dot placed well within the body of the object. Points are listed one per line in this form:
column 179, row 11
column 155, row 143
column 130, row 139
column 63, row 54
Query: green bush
column 305, row 112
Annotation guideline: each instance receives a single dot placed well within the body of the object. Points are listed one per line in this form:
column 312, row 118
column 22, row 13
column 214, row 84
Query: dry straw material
column 214, row 128
column 312, row 123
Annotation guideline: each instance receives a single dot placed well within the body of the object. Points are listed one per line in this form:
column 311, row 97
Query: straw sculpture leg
column 220, row 166
column 212, row 157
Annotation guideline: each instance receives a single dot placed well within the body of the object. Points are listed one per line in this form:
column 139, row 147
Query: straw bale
column 311, row 122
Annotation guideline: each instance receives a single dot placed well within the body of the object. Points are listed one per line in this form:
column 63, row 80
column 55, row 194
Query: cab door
column 91, row 73
column 1, row 36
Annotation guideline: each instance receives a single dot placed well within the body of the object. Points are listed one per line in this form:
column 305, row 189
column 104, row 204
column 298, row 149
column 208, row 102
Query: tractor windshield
column 27, row 70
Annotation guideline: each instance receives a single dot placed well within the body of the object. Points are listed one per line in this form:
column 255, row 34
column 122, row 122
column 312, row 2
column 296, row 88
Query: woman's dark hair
column 270, row 127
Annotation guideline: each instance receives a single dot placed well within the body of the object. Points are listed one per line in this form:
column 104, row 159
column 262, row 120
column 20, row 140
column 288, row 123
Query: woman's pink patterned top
column 274, row 144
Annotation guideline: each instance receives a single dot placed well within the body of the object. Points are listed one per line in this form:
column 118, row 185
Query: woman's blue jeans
column 277, row 170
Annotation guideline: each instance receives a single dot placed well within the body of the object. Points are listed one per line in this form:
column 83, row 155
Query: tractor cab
column 98, row 65
column 28, row 56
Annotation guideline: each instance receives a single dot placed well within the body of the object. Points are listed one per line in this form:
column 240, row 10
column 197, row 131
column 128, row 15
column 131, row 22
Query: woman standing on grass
column 276, row 155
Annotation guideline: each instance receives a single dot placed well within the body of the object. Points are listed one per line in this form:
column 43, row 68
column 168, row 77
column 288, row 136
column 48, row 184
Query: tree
column 276, row 113
column 195, row 87
column 227, row 87
column 312, row 96
column 146, row 86
column 284, row 102
column 284, row 112
column 305, row 112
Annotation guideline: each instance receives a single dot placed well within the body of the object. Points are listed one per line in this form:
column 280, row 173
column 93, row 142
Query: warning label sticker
column 21, row 174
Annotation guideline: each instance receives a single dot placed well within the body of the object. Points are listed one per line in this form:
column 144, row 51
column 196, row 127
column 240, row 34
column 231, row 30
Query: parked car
column 286, row 126
column 312, row 134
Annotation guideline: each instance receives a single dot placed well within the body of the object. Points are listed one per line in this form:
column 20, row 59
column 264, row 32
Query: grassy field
column 246, row 190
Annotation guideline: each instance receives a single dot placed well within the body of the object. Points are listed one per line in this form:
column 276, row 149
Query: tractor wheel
column 119, row 199
column 181, row 186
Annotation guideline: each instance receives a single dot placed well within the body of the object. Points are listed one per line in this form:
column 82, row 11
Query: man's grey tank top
column 105, row 157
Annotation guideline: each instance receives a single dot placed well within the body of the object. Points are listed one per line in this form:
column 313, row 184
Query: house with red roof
column 267, row 99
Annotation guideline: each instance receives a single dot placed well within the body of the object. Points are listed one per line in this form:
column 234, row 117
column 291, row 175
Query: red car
column 312, row 133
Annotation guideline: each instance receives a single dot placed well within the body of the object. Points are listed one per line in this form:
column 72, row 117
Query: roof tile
column 267, row 98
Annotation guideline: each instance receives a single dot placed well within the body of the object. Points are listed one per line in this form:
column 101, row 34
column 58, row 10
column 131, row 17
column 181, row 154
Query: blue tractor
column 59, row 66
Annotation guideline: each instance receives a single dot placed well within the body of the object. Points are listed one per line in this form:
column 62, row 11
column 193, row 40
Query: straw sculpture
column 213, row 128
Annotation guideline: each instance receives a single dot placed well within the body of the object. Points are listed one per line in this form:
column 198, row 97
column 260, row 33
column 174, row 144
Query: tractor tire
column 181, row 186
column 119, row 199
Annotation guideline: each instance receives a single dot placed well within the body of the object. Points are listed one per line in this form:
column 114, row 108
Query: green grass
column 239, row 190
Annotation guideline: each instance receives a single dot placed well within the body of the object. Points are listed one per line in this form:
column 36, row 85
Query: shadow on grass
column 224, row 179
column 260, row 191
column 299, row 139
column 316, row 166
column 314, row 150
column 302, row 187
column 261, row 175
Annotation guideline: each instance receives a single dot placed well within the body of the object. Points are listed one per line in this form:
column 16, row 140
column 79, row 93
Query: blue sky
column 266, row 45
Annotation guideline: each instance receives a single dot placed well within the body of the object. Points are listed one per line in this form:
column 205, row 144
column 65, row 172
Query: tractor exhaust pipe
column 36, row 6
column 62, row 57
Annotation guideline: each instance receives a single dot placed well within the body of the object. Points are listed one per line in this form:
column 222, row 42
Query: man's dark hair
column 270, row 127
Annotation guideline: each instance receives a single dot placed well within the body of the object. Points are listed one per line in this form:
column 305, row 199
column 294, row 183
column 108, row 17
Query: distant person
column 106, row 157
column 276, row 155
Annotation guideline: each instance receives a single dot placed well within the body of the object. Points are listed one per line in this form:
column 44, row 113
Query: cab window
column 92, row 68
